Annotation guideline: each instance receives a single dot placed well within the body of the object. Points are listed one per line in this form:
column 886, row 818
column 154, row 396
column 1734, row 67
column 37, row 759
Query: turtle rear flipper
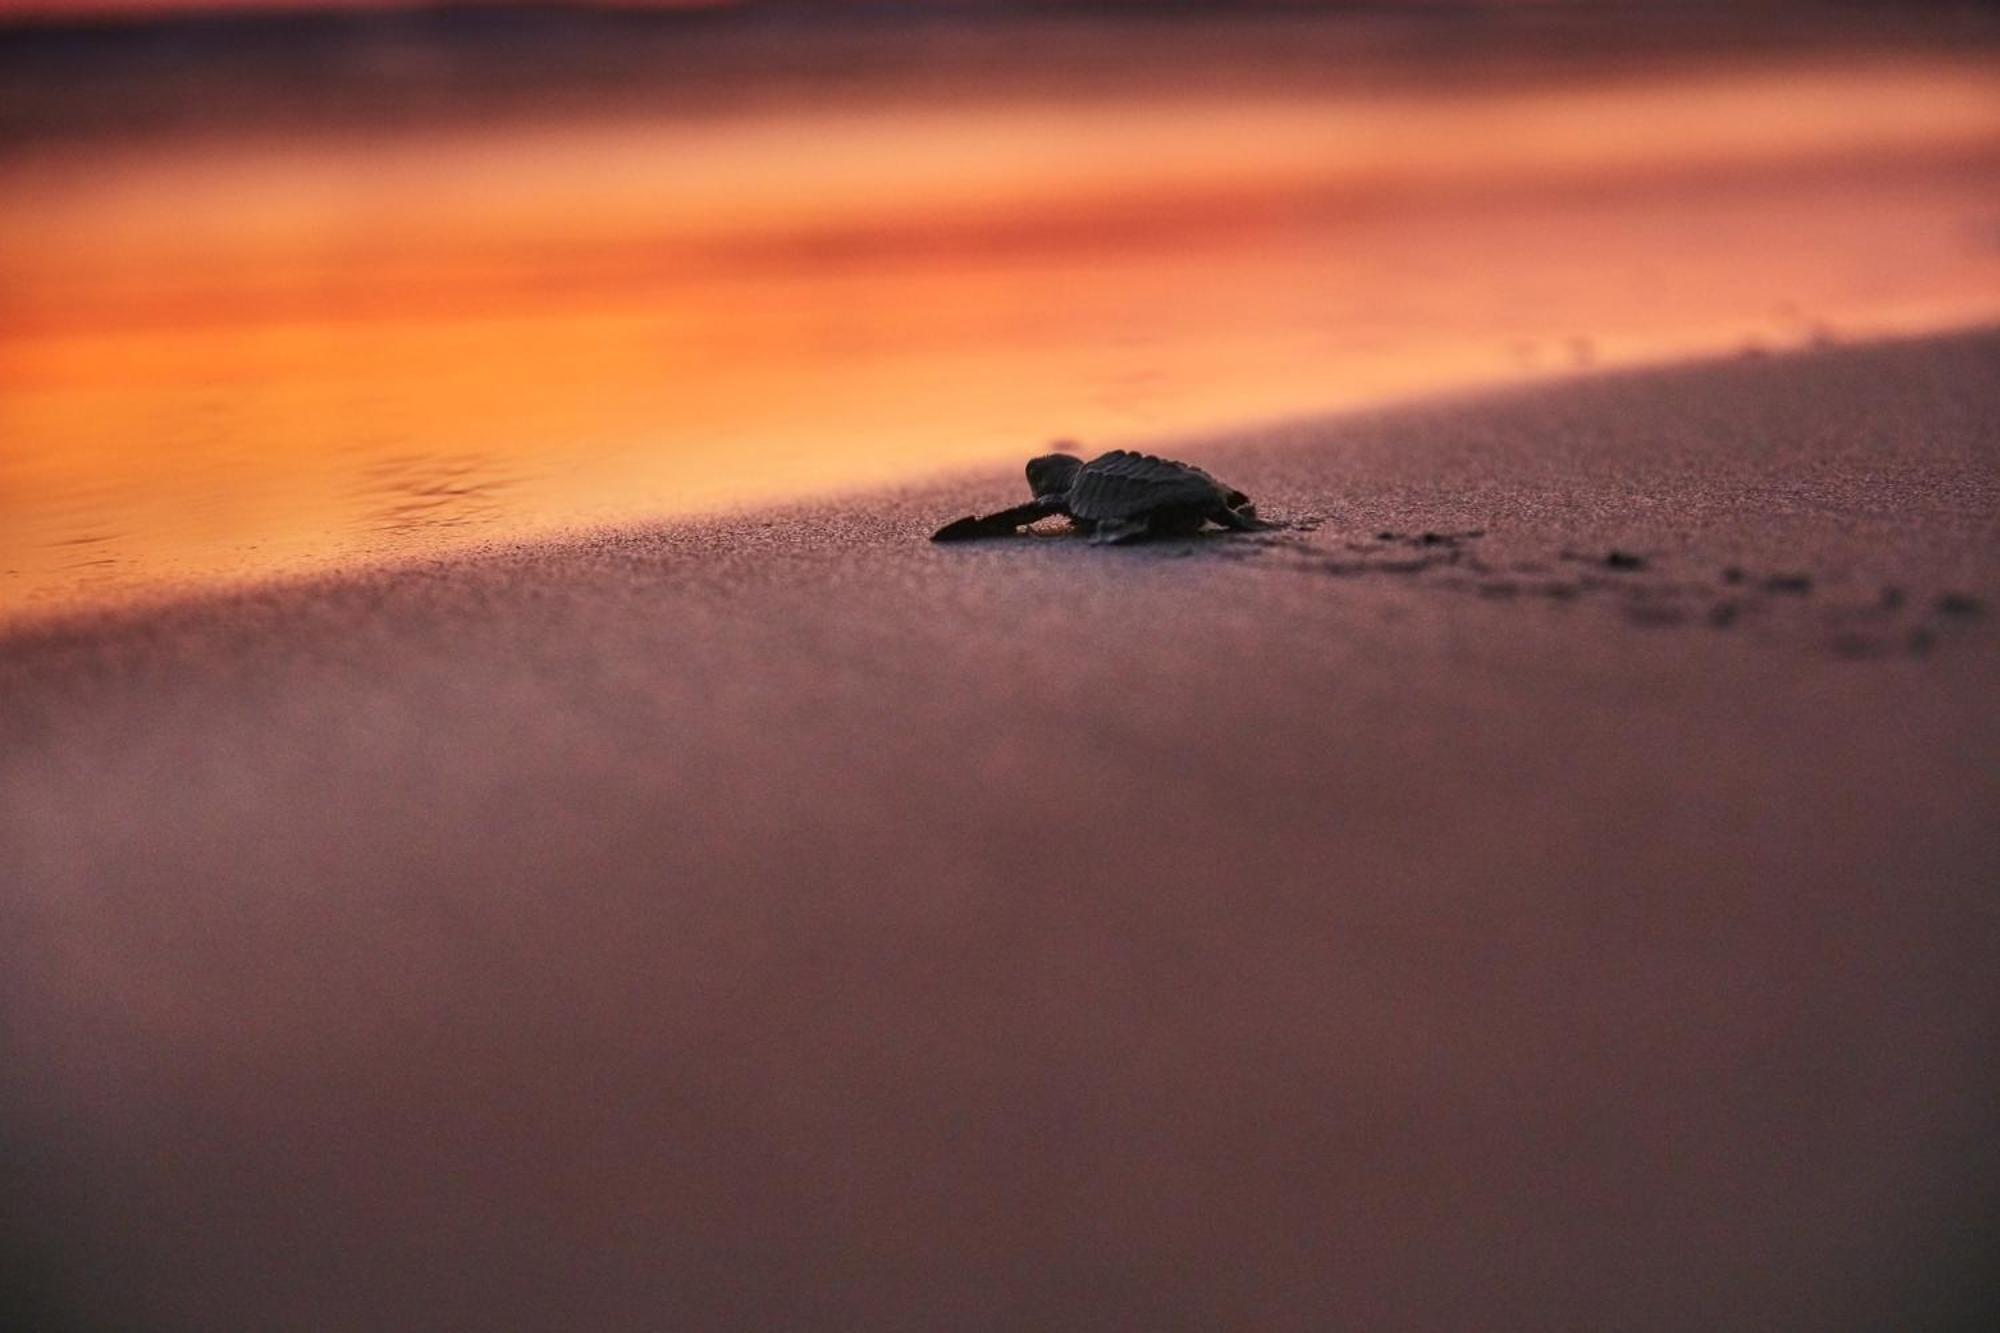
column 1002, row 524
column 1243, row 518
column 1116, row 532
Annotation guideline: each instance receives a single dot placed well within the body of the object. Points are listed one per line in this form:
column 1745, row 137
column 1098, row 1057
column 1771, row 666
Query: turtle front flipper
column 1002, row 524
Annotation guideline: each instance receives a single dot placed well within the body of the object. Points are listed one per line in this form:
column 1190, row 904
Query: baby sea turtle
column 1116, row 497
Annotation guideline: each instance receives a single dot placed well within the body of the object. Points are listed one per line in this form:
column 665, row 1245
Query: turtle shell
column 1120, row 486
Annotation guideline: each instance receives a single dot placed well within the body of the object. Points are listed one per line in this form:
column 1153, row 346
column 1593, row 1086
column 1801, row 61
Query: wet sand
column 1574, row 909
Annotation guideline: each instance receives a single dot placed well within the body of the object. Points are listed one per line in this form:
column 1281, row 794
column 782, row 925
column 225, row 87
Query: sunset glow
column 231, row 358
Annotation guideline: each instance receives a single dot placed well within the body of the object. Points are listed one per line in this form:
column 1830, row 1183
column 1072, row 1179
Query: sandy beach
column 1549, row 885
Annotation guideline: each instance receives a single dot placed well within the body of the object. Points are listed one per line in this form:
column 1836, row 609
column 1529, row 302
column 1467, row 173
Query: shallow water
column 225, row 357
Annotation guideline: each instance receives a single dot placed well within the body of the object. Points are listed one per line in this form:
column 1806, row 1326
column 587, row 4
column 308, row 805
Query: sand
column 782, row 921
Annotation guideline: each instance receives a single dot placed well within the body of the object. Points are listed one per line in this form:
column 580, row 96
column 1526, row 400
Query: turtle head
column 1050, row 475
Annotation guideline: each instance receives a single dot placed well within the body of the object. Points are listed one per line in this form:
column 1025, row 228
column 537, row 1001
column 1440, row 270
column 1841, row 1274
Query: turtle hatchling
column 1116, row 497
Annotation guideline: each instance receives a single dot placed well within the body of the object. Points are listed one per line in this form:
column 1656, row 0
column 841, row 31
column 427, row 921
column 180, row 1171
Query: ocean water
column 259, row 316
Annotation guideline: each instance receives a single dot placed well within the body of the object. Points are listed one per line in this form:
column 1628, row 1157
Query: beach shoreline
column 823, row 513
column 330, row 326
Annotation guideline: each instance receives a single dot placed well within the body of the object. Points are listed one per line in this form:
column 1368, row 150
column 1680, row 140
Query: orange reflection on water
column 227, row 361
